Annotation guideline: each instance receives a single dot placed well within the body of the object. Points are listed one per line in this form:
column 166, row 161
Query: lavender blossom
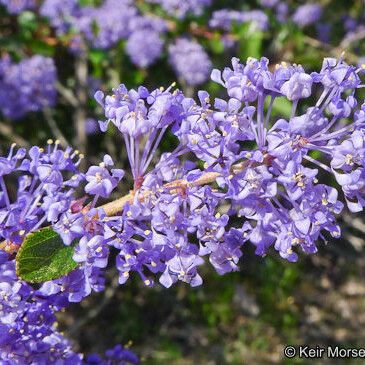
column 17, row 6
column 27, row 86
column 190, row 61
column 28, row 325
column 307, row 14
column 60, row 13
column 105, row 25
column 225, row 18
column 180, row 9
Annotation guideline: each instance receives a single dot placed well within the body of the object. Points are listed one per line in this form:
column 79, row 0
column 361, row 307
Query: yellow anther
column 147, row 282
column 50, row 141
column 125, row 274
column 349, row 158
column 153, row 264
column 147, row 232
column 98, row 177
column 295, row 241
column 218, row 215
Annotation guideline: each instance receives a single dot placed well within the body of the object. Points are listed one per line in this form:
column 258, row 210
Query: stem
column 7, row 131
column 81, row 73
column 260, row 119
column 117, row 206
column 67, row 94
column 54, row 127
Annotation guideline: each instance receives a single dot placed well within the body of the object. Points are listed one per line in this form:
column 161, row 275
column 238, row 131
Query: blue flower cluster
column 28, row 327
column 190, row 61
column 181, row 9
column 182, row 212
column 27, row 86
column 17, row 6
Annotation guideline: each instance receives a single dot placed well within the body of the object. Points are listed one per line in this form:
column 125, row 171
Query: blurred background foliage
column 241, row 318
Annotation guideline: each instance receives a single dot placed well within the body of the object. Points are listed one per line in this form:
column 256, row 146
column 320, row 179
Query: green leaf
column 217, row 45
column 27, row 20
column 43, row 256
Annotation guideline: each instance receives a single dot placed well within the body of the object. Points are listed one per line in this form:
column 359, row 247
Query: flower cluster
column 190, row 61
column 27, row 86
column 105, row 25
column 224, row 19
column 175, row 218
column 28, row 327
column 239, row 174
column 17, row 6
column 181, row 9
column 307, row 14
column 45, row 181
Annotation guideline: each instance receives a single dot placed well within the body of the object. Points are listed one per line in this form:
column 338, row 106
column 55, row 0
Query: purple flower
column 190, row 61
column 105, row 25
column 144, row 47
column 225, row 18
column 17, row 6
column 181, row 8
column 26, row 87
column 307, row 14
column 100, row 181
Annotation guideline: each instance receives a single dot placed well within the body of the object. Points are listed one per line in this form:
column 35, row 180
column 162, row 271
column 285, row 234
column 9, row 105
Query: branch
column 81, row 74
column 334, row 51
column 117, row 206
column 67, row 94
column 8, row 131
column 54, row 127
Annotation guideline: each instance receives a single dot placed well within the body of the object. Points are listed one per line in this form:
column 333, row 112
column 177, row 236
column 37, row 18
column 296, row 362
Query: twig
column 54, row 127
column 67, row 94
column 81, row 72
column 333, row 51
column 117, row 205
column 7, row 131
column 353, row 37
